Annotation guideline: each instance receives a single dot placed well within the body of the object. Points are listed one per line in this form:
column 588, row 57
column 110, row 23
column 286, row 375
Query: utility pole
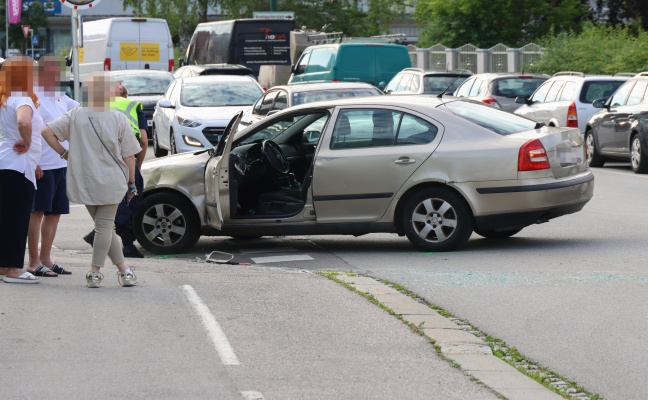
column 273, row 5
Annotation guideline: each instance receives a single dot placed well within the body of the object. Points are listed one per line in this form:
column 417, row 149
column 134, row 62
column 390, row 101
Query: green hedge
column 594, row 50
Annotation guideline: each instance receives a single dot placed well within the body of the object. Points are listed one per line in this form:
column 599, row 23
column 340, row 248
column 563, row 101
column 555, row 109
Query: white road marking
column 620, row 173
column 299, row 257
column 214, row 331
column 252, row 395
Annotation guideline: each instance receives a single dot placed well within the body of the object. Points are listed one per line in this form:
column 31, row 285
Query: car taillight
column 171, row 64
column 572, row 116
column 532, row 156
column 491, row 101
column 107, row 64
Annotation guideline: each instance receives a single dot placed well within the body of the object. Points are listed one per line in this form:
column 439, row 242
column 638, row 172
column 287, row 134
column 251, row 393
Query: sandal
column 44, row 271
column 60, row 270
column 26, row 277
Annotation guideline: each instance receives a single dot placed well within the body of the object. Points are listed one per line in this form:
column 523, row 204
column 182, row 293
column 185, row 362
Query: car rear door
column 365, row 158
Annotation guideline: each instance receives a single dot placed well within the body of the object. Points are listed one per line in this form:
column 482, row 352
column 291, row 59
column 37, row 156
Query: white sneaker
column 127, row 279
column 93, row 279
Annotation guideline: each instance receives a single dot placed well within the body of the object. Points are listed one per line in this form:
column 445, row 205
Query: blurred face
column 50, row 73
column 19, row 76
column 100, row 90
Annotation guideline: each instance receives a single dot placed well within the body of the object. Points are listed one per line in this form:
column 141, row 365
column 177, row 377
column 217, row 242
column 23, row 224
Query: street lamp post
column 273, row 5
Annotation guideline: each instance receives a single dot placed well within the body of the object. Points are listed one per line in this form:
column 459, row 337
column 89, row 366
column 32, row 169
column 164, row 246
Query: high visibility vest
column 129, row 109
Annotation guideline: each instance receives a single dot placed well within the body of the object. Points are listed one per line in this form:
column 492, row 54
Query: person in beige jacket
column 101, row 170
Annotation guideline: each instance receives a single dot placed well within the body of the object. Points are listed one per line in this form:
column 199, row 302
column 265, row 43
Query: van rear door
column 141, row 43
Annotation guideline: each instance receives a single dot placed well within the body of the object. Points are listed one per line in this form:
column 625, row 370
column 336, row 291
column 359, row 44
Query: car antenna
column 440, row 95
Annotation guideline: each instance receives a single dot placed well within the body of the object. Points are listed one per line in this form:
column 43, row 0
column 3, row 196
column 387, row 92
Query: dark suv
column 620, row 129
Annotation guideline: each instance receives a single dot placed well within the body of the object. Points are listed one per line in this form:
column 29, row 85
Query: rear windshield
column 501, row 122
column 320, row 95
column 514, row 87
column 139, row 85
column 435, row 84
column 216, row 94
column 598, row 90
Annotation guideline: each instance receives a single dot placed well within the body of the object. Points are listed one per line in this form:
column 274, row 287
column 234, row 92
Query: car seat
column 383, row 128
column 341, row 131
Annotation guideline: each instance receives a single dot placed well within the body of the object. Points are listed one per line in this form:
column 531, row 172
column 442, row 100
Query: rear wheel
column 166, row 223
column 157, row 151
column 637, row 157
column 492, row 234
column 437, row 219
column 594, row 159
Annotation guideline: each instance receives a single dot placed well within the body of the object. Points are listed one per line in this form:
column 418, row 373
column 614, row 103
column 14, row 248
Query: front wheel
column 637, row 156
column 594, row 159
column 166, row 223
column 437, row 219
column 157, row 151
column 492, row 234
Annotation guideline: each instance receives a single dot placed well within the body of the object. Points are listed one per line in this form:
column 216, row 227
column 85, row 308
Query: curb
column 465, row 350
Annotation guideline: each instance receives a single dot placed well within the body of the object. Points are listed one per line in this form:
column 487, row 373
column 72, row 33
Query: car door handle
column 404, row 161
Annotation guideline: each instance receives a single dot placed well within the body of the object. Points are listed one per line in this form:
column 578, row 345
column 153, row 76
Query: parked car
column 194, row 112
column 281, row 97
column 432, row 169
column 566, row 99
column 374, row 63
column 619, row 131
column 146, row 86
column 212, row 69
column 500, row 89
column 418, row 81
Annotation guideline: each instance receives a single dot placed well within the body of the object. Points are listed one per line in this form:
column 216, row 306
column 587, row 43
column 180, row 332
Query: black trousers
column 16, row 199
column 125, row 211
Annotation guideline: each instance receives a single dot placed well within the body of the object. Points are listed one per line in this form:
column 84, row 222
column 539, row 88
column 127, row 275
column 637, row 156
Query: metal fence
column 499, row 58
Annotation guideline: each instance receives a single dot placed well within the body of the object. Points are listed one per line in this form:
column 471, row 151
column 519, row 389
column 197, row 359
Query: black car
column 620, row 130
column 146, row 86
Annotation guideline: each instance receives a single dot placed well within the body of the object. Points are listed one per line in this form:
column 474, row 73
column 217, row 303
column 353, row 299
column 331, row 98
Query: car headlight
column 189, row 123
column 191, row 141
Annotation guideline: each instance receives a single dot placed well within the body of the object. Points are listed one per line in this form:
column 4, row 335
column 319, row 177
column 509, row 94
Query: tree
column 486, row 23
column 34, row 16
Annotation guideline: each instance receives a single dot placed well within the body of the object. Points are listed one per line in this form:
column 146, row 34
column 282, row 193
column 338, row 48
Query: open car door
column 217, row 184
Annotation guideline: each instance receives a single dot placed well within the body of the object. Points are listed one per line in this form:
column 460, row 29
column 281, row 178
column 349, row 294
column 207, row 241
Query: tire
column 166, row 223
column 437, row 219
column 594, row 159
column 172, row 144
column 638, row 158
column 157, row 151
column 497, row 234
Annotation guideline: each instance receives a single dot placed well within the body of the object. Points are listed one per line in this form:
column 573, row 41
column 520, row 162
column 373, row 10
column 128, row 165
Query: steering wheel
column 274, row 156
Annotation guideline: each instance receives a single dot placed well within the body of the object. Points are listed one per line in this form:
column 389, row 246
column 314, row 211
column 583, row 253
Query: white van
column 126, row 43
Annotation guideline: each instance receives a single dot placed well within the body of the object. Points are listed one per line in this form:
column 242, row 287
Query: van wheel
column 157, row 151
column 638, row 155
column 437, row 219
column 173, row 145
column 594, row 159
column 166, row 223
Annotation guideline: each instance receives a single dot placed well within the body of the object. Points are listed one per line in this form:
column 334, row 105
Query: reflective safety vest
column 129, row 109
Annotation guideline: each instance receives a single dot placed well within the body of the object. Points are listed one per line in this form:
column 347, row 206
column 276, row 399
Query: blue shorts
column 50, row 195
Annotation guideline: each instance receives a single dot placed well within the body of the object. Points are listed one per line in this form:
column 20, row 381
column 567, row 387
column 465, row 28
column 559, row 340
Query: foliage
column 622, row 12
column 487, row 23
column 34, row 16
column 595, row 50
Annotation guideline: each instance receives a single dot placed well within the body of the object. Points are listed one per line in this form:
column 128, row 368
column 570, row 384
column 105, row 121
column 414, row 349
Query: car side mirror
column 68, row 61
column 382, row 85
column 164, row 103
column 522, row 100
column 181, row 62
column 293, row 69
column 599, row 103
column 311, row 136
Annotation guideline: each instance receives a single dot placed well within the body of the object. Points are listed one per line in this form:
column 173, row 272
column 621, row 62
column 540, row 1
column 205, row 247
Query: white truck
column 113, row 44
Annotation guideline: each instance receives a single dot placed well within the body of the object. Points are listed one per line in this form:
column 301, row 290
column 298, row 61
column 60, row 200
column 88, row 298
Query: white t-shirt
column 52, row 105
column 9, row 135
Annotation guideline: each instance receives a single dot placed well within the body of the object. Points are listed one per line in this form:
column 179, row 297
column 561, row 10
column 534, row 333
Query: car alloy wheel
column 437, row 219
column 166, row 223
column 594, row 159
column 637, row 159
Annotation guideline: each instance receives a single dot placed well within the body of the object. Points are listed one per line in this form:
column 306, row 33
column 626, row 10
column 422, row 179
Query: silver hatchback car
column 499, row 89
column 434, row 170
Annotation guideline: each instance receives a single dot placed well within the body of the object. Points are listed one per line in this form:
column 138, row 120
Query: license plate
column 149, row 122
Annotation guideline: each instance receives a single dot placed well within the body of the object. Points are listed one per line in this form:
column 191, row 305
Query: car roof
column 217, row 78
column 579, row 76
column 222, row 66
column 307, row 87
column 124, row 72
column 409, row 101
column 455, row 72
column 495, row 75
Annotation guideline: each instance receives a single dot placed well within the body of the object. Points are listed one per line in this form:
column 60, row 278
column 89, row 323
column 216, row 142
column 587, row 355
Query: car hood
column 212, row 113
column 147, row 101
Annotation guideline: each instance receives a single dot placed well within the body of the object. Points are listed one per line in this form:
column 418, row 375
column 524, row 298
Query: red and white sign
column 80, row 4
column 25, row 29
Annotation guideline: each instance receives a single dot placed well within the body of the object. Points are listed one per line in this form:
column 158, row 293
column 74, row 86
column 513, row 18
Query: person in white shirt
column 50, row 200
column 20, row 147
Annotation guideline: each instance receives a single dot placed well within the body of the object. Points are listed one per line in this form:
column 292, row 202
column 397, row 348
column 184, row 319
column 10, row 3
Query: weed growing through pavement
column 549, row 379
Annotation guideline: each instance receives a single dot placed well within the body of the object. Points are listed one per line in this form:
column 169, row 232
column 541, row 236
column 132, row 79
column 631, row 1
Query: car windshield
column 501, row 122
column 138, row 85
column 320, row 95
column 514, row 87
column 219, row 94
column 435, row 84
